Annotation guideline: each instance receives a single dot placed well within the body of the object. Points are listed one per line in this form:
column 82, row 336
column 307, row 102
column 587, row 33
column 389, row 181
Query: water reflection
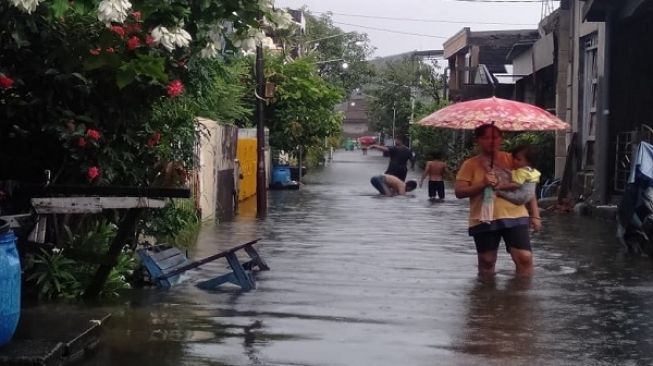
column 502, row 320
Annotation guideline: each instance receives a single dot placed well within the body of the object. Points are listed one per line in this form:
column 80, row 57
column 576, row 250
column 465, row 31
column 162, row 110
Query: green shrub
column 54, row 275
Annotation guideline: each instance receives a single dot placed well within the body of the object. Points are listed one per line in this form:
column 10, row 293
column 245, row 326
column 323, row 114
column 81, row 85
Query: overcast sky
column 358, row 14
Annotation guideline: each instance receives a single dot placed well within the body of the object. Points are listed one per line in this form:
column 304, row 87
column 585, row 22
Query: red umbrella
column 507, row 115
column 367, row 140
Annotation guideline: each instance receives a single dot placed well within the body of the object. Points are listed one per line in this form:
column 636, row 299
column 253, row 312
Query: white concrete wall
column 216, row 158
column 208, row 168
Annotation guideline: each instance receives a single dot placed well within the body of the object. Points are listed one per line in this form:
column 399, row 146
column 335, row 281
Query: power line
column 501, row 1
column 418, row 19
column 391, row 31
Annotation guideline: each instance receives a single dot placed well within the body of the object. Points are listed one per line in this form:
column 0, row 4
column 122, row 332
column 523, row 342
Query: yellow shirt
column 473, row 170
column 526, row 175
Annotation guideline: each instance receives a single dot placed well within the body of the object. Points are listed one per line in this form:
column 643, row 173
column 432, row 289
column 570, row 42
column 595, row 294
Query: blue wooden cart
column 166, row 264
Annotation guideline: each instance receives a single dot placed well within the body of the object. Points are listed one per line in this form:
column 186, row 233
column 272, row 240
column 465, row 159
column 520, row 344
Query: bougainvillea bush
column 106, row 92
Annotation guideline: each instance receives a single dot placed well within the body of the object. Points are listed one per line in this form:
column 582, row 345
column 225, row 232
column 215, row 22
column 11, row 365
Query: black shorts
column 436, row 187
column 514, row 237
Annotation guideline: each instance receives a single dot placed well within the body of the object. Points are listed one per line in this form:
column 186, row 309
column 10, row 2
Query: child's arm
column 507, row 186
column 426, row 172
column 446, row 173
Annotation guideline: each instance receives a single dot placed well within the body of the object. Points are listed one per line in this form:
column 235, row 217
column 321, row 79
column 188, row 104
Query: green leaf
column 19, row 39
column 125, row 77
column 93, row 63
column 59, row 8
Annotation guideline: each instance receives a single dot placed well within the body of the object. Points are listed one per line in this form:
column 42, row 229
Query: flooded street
column 361, row 280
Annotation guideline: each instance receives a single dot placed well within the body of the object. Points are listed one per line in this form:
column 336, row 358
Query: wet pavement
column 362, row 280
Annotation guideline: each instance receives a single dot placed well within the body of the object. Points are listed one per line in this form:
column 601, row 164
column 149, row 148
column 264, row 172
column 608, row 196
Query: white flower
column 27, row 6
column 210, row 51
column 113, row 11
column 171, row 39
column 250, row 40
column 281, row 19
column 267, row 42
column 265, row 4
column 216, row 36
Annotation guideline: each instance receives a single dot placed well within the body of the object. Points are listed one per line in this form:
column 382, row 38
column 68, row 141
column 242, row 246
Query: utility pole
column 261, row 179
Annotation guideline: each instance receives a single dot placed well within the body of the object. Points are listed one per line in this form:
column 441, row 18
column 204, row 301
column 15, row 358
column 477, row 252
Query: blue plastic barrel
column 9, row 283
column 280, row 174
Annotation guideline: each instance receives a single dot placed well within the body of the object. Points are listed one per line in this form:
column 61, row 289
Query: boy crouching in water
column 389, row 185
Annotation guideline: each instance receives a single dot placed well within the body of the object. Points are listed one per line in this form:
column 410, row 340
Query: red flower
column 133, row 28
column 6, row 82
column 93, row 134
column 95, row 52
column 154, row 139
column 93, row 172
column 81, row 142
column 118, row 30
column 149, row 40
column 133, row 43
column 111, row 50
column 175, row 88
column 136, row 15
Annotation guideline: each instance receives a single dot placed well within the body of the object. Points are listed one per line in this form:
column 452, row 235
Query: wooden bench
column 165, row 265
column 130, row 201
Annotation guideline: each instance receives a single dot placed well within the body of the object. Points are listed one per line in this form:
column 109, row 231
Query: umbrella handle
column 492, row 157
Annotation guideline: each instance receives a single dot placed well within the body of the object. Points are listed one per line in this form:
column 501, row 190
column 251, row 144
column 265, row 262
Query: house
column 355, row 123
column 477, row 62
column 600, row 50
column 539, row 66
column 612, row 62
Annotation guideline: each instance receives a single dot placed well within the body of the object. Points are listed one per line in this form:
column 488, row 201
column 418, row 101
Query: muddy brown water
column 362, row 280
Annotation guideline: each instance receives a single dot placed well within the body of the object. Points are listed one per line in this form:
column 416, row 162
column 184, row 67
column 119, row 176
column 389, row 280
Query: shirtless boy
column 435, row 169
column 389, row 185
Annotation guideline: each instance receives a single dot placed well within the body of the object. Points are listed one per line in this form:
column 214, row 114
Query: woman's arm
column 464, row 189
column 534, row 212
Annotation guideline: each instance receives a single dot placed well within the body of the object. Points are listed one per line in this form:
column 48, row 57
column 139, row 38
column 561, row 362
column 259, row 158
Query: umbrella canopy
column 367, row 140
column 507, row 115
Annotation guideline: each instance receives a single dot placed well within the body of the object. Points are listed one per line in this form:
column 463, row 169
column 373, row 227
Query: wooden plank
column 239, row 247
column 151, row 192
column 256, row 259
column 217, row 281
column 171, row 263
column 245, row 282
column 75, row 205
column 159, row 256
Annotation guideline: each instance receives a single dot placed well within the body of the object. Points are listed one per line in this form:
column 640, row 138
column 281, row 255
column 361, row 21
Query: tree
column 105, row 91
column 332, row 47
column 398, row 92
column 302, row 113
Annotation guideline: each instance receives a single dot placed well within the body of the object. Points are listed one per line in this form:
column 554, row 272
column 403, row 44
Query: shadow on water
column 357, row 280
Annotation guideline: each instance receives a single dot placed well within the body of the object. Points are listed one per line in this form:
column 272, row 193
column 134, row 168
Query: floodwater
column 361, row 280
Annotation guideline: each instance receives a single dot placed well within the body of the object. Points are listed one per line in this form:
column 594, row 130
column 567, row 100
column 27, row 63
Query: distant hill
column 381, row 61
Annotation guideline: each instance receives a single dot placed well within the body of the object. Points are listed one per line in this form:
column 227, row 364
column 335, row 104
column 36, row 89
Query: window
column 589, row 96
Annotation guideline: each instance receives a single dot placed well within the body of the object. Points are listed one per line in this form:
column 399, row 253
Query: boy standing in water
column 435, row 169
